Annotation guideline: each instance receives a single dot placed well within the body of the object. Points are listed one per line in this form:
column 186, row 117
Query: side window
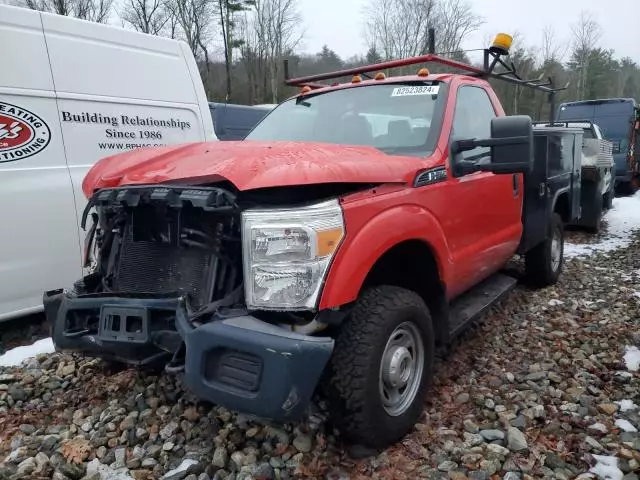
column 472, row 118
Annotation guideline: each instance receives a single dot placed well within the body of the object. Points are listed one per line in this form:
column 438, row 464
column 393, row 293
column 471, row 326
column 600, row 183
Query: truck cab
column 319, row 254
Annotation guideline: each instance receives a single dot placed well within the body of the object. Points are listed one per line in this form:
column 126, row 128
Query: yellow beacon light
column 356, row 79
column 380, row 76
column 502, row 43
column 423, row 72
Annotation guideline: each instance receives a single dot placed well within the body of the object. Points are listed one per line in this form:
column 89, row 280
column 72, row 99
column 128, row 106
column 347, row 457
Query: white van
column 72, row 92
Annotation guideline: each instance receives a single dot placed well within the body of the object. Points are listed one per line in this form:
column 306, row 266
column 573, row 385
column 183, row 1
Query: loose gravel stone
column 516, row 440
column 491, row 435
column 536, row 391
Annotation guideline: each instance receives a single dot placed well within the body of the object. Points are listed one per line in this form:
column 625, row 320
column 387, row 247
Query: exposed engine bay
column 171, row 242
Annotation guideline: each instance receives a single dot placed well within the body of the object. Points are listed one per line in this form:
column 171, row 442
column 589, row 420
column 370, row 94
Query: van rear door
column 39, row 247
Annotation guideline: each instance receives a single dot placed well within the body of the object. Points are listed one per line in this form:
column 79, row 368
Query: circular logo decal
column 22, row 133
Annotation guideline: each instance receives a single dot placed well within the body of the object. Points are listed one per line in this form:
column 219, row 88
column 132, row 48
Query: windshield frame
column 420, row 151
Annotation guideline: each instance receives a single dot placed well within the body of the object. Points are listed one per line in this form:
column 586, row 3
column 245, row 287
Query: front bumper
column 239, row 362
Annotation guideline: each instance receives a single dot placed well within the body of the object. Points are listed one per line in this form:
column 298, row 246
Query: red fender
column 369, row 237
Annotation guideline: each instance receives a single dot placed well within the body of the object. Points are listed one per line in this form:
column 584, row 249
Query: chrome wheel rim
column 401, row 369
column 556, row 250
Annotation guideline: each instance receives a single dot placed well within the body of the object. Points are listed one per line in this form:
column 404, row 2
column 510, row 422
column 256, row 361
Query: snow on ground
column 607, row 468
column 622, row 220
column 626, row 405
column 632, row 358
column 625, row 425
column 15, row 356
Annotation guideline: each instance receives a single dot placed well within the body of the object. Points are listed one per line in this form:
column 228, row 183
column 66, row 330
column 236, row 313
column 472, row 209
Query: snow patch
column 598, row 427
column 632, row 358
column 105, row 472
column 606, row 468
column 626, row 405
column 625, row 425
column 554, row 302
column 181, row 470
column 15, row 356
column 622, row 221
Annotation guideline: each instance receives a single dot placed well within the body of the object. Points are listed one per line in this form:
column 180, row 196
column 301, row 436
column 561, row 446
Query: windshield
column 395, row 118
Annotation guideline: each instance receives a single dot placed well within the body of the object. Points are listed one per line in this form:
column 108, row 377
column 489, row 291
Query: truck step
column 469, row 306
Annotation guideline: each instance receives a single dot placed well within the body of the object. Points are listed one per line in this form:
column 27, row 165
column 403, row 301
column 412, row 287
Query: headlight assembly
column 286, row 254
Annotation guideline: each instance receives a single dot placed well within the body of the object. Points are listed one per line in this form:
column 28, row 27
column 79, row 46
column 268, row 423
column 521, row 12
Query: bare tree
column 253, row 58
column 277, row 24
column 552, row 50
column 455, row 20
column 37, row 5
column 399, row 28
column 173, row 25
column 93, row 10
column 194, row 19
column 147, row 16
column 586, row 34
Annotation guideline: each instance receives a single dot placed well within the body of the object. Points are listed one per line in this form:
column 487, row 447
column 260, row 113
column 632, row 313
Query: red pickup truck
column 357, row 226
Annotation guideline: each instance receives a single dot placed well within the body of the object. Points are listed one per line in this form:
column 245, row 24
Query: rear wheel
column 381, row 367
column 543, row 263
column 608, row 200
column 598, row 204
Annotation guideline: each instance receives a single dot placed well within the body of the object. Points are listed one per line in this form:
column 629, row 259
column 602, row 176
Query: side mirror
column 511, row 145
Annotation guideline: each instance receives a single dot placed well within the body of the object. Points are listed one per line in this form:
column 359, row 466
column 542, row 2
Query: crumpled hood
column 250, row 164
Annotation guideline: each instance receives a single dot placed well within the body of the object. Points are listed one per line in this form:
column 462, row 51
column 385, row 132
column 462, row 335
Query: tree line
column 240, row 45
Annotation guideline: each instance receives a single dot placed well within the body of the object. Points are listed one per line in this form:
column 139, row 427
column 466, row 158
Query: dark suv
column 233, row 121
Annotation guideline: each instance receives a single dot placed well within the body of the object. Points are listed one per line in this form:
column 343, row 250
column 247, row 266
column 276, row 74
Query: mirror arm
column 471, row 143
column 502, row 167
column 496, row 142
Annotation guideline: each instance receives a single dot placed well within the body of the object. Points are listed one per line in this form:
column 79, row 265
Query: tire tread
column 356, row 345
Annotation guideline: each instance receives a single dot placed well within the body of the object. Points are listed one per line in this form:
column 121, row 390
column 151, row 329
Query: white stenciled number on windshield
column 417, row 90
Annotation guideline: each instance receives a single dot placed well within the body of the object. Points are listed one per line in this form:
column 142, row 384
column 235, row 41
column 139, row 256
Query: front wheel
column 381, row 367
column 543, row 263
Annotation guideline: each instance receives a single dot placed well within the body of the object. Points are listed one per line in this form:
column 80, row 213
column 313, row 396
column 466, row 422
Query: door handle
column 516, row 185
column 542, row 189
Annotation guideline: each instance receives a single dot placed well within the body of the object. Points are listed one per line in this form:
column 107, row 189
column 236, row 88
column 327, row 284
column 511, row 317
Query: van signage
column 22, row 133
column 113, row 129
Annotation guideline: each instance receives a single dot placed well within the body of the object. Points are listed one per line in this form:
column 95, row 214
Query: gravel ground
column 539, row 390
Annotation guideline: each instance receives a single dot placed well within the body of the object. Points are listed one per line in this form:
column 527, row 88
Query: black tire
column 352, row 387
column 607, row 201
column 597, row 215
column 539, row 266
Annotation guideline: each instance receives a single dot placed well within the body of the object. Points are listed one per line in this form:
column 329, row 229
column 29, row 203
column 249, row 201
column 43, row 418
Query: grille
column 154, row 267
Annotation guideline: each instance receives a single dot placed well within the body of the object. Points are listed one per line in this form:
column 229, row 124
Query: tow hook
column 176, row 364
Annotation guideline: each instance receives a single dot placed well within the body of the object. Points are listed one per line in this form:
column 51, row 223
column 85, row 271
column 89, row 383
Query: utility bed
column 593, row 156
column 597, row 153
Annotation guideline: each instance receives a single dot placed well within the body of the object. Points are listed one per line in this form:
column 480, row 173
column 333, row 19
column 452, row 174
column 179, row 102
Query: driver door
column 488, row 206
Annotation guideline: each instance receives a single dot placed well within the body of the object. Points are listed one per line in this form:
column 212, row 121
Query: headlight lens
column 286, row 254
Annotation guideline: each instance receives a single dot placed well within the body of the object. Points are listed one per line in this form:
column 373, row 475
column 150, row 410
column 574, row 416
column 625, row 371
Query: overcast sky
column 339, row 23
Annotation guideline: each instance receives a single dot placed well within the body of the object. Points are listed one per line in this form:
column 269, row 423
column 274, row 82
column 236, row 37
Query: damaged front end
column 166, row 287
